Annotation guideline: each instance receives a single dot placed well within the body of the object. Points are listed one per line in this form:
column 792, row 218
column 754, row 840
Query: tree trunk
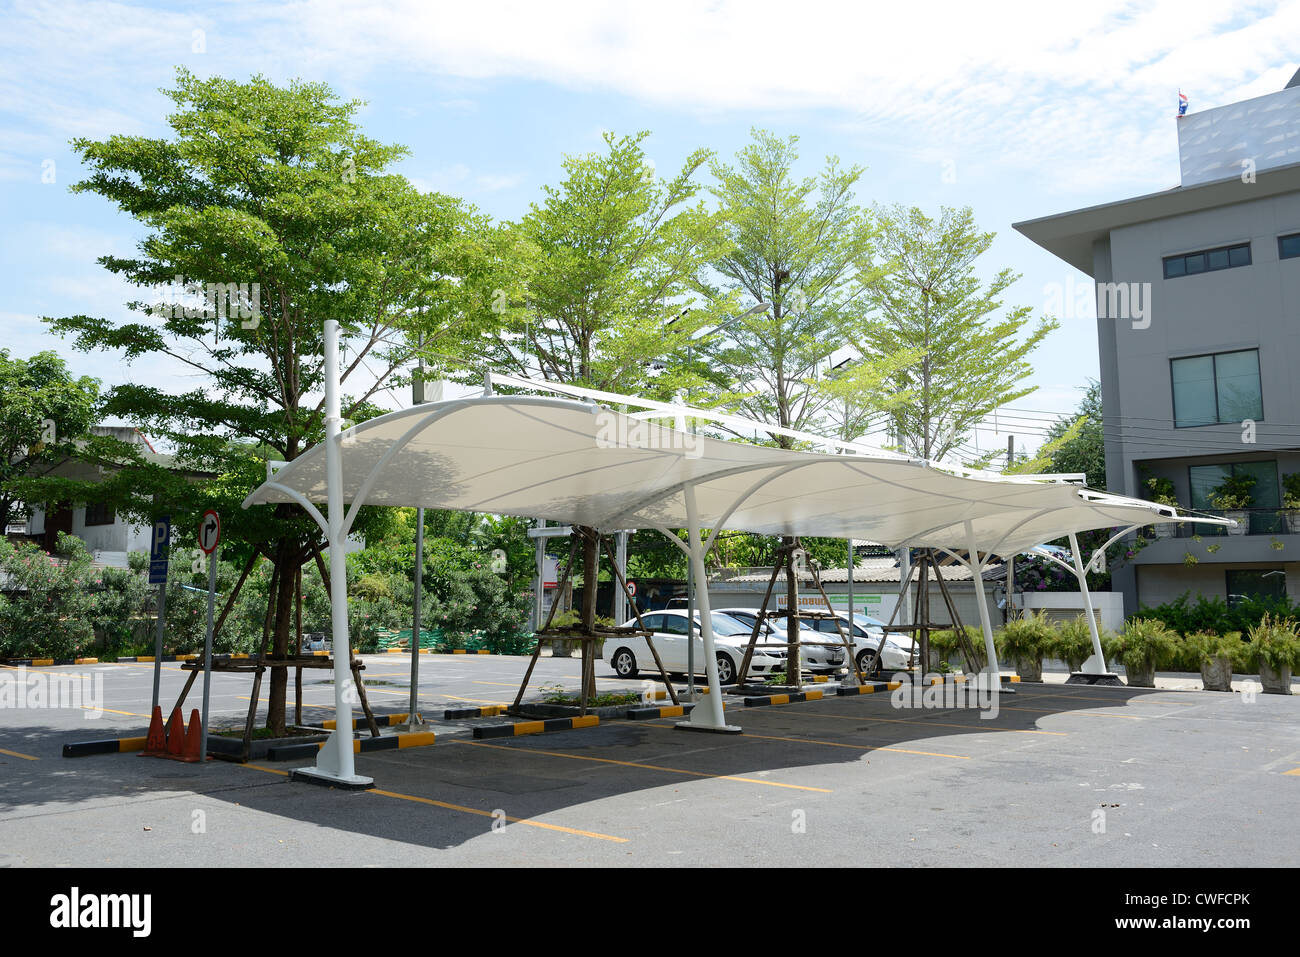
column 793, row 669
column 282, row 623
column 590, row 583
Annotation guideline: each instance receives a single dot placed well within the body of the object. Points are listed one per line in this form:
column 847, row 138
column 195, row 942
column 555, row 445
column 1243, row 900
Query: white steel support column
column 1096, row 665
column 992, row 673
column 707, row 715
column 334, row 764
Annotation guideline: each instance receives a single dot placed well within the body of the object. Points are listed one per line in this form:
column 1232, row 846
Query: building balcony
column 1267, row 537
column 1257, row 521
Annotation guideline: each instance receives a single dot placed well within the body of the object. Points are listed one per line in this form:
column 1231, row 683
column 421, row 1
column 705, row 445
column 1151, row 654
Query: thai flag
column 1182, row 103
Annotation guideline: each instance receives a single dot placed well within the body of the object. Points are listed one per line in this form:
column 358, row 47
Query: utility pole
column 413, row 720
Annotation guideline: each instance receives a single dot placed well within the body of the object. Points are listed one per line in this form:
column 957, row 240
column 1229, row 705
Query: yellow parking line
column 132, row 714
column 1095, row 714
column 456, row 697
column 650, row 767
column 859, row 747
column 1034, row 696
column 919, row 720
column 838, row 744
column 1294, row 772
column 19, row 754
column 513, row 820
column 258, row 767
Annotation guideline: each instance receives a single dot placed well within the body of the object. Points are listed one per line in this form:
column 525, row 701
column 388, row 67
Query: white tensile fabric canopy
column 583, row 463
column 578, row 462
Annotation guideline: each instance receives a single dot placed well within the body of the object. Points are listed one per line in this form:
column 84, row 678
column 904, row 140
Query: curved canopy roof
column 582, row 463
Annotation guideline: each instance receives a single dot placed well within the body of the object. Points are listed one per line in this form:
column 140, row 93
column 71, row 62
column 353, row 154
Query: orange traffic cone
column 193, row 750
column 156, row 742
column 175, row 734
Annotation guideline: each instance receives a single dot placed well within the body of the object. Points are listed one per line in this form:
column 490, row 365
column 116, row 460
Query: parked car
column 314, row 641
column 630, row 655
column 899, row 653
column 818, row 659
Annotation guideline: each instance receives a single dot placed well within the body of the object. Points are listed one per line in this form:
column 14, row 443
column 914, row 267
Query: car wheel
column 624, row 663
column 864, row 662
column 726, row 669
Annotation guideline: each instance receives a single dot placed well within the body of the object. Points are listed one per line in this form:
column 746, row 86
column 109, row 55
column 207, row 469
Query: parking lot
column 1062, row 776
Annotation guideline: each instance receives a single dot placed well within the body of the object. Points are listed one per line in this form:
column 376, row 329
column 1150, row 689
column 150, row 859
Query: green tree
column 927, row 300
column 606, row 261
column 800, row 245
column 275, row 187
column 1082, row 445
column 43, row 411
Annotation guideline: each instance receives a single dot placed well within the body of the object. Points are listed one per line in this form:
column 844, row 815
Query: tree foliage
column 928, row 300
column 43, row 411
column 275, row 187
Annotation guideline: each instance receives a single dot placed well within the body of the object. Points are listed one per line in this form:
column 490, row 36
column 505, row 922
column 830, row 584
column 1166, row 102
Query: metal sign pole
column 207, row 645
column 158, row 643
column 158, row 558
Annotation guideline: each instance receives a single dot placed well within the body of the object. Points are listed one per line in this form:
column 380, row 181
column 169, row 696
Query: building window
column 1245, row 583
column 1288, row 247
column 1211, row 390
column 1207, row 260
column 1204, row 479
column 100, row 514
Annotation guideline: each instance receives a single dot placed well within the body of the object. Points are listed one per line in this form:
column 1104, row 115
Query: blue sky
column 1016, row 109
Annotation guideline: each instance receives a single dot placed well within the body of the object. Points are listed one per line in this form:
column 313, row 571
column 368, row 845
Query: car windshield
column 865, row 621
column 726, row 626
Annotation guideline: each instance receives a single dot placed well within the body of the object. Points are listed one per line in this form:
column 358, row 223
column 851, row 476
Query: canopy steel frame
column 334, row 763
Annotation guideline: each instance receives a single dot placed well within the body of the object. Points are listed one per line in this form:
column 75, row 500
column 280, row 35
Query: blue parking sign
column 158, row 544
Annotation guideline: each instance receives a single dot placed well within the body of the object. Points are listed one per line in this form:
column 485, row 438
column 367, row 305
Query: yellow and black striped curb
column 668, row 711
column 382, row 719
column 870, row 688
column 966, row 679
column 793, row 697
column 488, row 711
column 50, row 662
column 536, row 727
column 390, row 742
column 80, row 749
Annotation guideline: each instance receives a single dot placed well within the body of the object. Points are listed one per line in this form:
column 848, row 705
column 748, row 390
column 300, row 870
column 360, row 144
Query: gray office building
column 1198, row 304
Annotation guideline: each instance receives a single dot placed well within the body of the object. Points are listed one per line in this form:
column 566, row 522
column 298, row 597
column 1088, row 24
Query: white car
column 630, row 655
column 899, row 654
column 818, row 659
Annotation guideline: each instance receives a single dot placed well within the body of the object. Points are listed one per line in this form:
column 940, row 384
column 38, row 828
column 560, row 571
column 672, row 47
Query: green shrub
column 1273, row 642
column 49, row 612
column 1214, row 614
column 1205, row 646
column 1025, row 638
column 1071, row 642
column 1144, row 643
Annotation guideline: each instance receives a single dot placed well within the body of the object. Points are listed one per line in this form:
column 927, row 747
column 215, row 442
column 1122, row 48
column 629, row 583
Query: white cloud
column 1079, row 96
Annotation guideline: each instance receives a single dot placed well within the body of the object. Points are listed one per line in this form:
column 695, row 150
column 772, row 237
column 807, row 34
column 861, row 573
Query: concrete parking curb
column 81, row 749
column 488, row 711
column 536, row 727
column 668, row 711
column 383, row 719
column 391, row 742
column 793, row 697
column 870, row 688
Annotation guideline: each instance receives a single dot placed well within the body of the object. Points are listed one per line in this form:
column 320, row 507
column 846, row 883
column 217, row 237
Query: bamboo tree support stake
column 839, row 626
column 759, row 621
column 537, row 652
column 650, row 641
